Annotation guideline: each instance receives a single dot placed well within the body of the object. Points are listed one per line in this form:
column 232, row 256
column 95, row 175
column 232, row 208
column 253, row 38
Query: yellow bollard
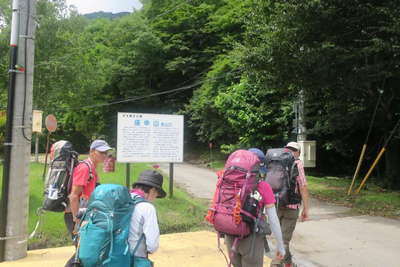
column 371, row 169
column 358, row 168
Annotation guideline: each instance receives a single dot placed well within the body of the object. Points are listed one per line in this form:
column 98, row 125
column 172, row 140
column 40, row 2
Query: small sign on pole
column 37, row 120
column 51, row 123
column 51, row 126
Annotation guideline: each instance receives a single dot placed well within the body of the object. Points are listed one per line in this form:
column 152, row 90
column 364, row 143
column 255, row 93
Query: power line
column 170, row 10
column 183, row 88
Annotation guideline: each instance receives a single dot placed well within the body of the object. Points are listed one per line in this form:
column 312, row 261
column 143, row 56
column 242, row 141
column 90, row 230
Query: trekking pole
column 378, row 157
column 77, row 241
column 77, row 262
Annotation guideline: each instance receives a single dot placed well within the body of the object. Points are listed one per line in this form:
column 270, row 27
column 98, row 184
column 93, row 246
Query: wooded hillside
column 234, row 68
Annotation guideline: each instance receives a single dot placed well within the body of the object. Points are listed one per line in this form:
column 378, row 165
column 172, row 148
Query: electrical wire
column 374, row 115
column 26, row 68
column 169, row 11
column 183, row 88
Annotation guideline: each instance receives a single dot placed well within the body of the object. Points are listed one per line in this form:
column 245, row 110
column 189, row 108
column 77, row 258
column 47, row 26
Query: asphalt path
column 333, row 237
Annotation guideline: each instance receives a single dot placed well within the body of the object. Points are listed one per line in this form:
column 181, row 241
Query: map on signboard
column 149, row 137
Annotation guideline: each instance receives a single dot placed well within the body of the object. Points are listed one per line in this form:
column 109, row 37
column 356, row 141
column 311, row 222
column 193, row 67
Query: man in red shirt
column 84, row 179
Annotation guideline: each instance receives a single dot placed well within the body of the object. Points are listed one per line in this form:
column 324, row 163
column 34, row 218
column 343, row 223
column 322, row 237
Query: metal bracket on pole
column 27, row 37
column 22, row 126
column 11, row 237
column 16, row 71
column 8, row 144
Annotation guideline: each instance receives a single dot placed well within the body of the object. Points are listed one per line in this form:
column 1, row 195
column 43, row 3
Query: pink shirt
column 137, row 191
column 266, row 193
column 301, row 182
column 81, row 176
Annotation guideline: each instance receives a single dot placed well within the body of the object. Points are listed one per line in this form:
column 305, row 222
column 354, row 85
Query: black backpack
column 282, row 175
column 58, row 180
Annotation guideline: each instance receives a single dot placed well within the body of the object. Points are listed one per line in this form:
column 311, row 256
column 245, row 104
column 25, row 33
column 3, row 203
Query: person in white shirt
column 144, row 233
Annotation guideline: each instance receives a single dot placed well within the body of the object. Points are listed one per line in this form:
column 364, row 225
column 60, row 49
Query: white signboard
column 149, row 137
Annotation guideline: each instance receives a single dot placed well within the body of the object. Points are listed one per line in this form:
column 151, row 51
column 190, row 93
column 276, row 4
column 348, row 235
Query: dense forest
column 234, row 68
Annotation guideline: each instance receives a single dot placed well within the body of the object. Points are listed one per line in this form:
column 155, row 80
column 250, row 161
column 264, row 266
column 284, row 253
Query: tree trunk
column 392, row 159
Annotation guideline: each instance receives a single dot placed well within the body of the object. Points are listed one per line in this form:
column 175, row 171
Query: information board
column 145, row 137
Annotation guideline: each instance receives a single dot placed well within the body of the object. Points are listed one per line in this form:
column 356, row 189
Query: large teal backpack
column 105, row 227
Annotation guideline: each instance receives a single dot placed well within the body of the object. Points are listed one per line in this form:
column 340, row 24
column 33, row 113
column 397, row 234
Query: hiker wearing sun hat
column 144, row 232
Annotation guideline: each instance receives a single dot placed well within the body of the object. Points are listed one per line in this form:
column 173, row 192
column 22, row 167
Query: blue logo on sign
column 147, row 122
column 137, row 122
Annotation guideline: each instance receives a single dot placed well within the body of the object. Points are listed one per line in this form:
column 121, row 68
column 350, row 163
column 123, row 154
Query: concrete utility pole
column 13, row 245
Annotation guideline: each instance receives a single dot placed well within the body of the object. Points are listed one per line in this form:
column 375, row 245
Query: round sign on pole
column 51, row 123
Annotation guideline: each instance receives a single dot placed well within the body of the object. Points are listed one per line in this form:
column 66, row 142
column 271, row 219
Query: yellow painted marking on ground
column 195, row 249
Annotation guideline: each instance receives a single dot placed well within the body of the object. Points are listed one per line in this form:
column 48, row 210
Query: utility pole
column 15, row 191
column 301, row 129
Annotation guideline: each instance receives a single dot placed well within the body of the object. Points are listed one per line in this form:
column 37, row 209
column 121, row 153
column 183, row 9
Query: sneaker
column 290, row 265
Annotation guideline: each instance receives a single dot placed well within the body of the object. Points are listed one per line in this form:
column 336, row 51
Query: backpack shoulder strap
column 138, row 199
column 90, row 169
column 137, row 245
column 294, row 172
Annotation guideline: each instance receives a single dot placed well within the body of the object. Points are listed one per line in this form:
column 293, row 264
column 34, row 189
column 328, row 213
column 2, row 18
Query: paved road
column 332, row 238
column 199, row 182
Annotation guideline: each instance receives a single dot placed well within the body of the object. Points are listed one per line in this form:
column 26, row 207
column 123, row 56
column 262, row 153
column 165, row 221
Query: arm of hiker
column 80, row 177
column 305, row 212
column 74, row 196
column 268, row 200
column 150, row 228
column 276, row 229
column 302, row 183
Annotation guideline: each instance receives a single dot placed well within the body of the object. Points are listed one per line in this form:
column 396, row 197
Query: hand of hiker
column 77, row 220
column 304, row 215
column 279, row 256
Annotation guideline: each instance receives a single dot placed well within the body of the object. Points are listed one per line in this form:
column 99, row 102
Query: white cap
column 293, row 145
column 100, row 145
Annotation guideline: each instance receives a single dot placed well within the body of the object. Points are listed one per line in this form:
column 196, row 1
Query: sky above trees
column 115, row 6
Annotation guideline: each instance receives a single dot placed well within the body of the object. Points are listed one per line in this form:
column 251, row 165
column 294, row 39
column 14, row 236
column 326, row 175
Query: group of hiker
column 256, row 194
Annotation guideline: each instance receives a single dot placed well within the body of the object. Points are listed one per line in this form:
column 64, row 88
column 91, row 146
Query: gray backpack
column 281, row 175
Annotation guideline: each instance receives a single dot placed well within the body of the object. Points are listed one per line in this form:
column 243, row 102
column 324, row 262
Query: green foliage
column 333, row 50
column 339, row 53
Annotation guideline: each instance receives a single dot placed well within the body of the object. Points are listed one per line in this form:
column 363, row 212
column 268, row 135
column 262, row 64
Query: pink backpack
column 234, row 185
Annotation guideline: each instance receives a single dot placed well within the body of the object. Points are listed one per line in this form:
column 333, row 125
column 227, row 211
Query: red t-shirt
column 266, row 193
column 81, row 176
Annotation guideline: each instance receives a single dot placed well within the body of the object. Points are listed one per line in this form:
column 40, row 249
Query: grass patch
column 372, row 200
column 178, row 214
